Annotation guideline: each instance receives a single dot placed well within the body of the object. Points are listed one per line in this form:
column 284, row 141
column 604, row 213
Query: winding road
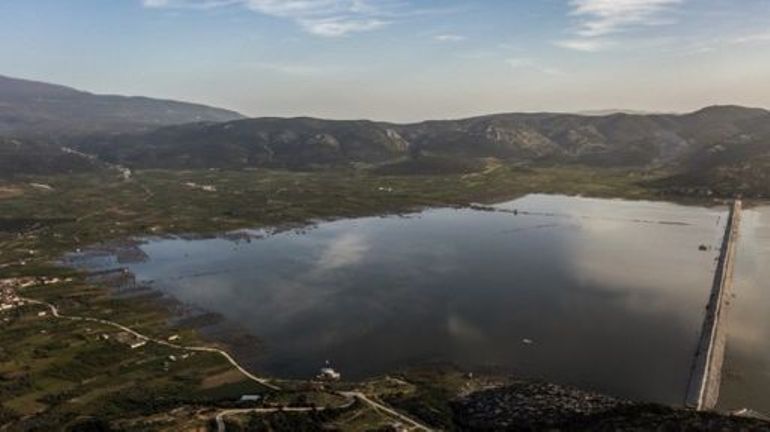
column 351, row 396
column 227, row 356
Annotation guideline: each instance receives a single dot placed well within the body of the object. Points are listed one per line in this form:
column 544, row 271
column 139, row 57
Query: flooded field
column 603, row 294
column 746, row 373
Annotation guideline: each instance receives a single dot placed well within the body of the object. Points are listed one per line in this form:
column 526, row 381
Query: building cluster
column 205, row 188
column 9, row 289
column 25, row 282
column 327, row 373
column 8, row 298
column 131, row 340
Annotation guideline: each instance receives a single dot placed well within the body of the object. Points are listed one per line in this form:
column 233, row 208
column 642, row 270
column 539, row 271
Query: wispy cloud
column 329, row 18
column 302, row 70
column 449, row 37
column 751, row 38
column 700, row 45
column 532, row 65
column 604, row 17
column 584, row 44
column 598, row 20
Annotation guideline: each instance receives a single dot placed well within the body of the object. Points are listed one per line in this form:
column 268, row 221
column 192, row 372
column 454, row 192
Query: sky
column 399, row 60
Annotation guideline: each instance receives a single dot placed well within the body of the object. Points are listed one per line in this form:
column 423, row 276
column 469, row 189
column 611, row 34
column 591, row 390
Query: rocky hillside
column 268, row 142
column 720, row 150
column 35, row 109
column 613, row 140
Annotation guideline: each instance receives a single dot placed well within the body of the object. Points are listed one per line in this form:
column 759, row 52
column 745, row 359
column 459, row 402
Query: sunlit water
column 746, row 374
column 607, row 295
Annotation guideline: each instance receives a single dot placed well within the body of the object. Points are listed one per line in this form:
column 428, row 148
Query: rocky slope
column 268, row 142
column 615, row 140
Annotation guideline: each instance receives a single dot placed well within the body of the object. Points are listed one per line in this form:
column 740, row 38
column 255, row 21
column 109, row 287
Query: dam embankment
column 706, row 374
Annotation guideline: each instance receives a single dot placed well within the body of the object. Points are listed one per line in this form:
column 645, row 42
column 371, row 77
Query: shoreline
column 113, row 249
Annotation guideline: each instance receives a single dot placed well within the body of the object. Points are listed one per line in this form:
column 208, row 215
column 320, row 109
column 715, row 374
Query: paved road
column 706, row 373
column 228, row 357
column 352, row 396
column 380, row 407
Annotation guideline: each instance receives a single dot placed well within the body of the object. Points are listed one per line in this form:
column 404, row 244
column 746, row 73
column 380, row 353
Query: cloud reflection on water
column 611, row 292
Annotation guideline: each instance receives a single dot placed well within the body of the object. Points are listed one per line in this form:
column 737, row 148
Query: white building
column 329, row 374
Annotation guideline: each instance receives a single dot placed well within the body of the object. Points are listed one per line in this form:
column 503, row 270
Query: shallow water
column 603, row 294
column 746, row 373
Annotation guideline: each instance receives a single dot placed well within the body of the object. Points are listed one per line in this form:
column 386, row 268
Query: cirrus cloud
column 603, row 17
column 329, row 18
column 599, row 19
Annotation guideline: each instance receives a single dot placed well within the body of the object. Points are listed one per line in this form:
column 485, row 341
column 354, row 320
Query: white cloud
column 600, row 19
column 329, row 18
column 340, row 26
column 448, row 37
column 604, row 17
column 586, row 45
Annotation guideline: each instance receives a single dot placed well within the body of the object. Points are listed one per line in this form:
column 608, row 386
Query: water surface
column 746, row 373
column 607, row 295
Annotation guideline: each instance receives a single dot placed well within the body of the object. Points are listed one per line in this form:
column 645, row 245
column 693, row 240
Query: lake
column 746, row 373
column 603, row 294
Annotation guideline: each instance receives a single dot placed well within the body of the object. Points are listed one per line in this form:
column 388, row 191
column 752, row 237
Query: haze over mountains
column 35, row 109
column 714, row 148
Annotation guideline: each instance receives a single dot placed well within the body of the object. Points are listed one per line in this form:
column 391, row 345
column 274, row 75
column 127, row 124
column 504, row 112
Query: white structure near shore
column 327, row 373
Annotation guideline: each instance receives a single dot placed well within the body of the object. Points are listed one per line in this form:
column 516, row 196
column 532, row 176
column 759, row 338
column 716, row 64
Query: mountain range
column 717, row 147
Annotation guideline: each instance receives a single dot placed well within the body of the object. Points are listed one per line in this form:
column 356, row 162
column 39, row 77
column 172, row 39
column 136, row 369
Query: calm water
column 746, row 374
column 608, row 295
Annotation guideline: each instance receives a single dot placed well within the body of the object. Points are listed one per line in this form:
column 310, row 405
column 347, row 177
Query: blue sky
column 399, row 60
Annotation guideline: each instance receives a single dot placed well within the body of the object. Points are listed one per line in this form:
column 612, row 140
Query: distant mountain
column 266, row 142
column 606, row 112
column 614, row 140
column 35, row 109
column 719, row 149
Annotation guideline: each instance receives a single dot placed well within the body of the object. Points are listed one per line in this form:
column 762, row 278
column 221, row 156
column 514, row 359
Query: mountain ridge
column 37, row 109
column 624, row 139
column 723, row 148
